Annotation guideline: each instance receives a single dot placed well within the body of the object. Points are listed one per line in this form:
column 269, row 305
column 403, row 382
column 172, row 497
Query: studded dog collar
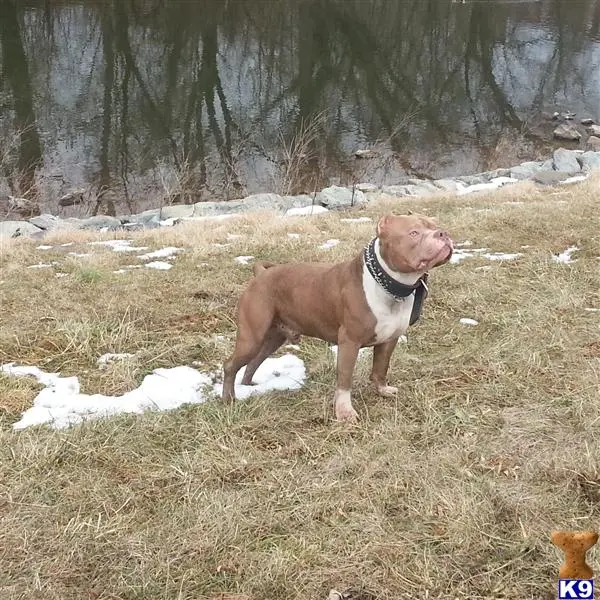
column 399, row 291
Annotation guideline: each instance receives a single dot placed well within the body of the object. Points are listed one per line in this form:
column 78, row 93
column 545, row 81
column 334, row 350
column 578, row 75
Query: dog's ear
column 383, row 223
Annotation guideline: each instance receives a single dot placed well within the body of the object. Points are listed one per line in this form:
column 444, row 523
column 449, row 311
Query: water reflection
column 136, row 102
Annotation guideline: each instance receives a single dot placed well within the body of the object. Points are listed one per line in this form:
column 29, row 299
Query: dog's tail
column 261, row 266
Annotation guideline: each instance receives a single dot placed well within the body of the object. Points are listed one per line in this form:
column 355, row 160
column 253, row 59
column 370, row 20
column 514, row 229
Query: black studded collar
column 399, row 291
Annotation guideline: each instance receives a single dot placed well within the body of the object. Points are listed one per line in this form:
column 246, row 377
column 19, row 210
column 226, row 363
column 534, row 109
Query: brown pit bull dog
column 367, row 301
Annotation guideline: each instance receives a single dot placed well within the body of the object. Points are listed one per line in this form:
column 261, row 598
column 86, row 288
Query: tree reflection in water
column 146, row 102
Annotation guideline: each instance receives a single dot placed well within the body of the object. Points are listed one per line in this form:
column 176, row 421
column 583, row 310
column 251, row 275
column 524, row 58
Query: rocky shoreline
column 565, row 166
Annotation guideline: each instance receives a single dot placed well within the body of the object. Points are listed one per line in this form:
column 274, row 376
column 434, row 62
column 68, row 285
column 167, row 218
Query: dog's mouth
column 449, row 251
column 444, row 255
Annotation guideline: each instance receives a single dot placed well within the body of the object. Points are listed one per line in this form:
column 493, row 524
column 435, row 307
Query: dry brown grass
column 450, row 491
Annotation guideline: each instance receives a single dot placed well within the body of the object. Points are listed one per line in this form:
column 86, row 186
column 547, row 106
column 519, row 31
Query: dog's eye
column 413, row 233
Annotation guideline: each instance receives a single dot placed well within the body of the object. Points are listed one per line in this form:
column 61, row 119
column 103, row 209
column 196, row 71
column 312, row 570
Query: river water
column 128, row 104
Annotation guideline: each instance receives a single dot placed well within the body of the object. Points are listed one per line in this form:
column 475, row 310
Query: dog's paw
column 387, row 390
column 346, row 414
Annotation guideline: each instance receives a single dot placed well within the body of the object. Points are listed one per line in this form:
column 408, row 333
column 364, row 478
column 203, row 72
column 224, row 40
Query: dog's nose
column 442, row 234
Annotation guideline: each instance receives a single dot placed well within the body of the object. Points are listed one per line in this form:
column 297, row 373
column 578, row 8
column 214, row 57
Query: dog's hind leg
column 255, row 323
column 273, row 340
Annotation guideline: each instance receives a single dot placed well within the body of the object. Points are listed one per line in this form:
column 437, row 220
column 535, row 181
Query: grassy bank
column 449, row 491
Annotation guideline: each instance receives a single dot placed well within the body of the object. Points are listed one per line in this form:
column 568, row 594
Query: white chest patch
column 392, row 317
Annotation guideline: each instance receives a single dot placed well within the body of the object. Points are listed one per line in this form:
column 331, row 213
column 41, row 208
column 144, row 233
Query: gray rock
column 527, row 169
column 593, row 143
column 472, row 179
column 46, row 221
column 551, row 177
column 447, row 185
column 176, row 211
column 100, row 222
column 211, row 209
column 340, row 197
column 587, row 122
column 566, row 160
column 371, row 196
column 149, row 219
column 423, row 188
column 367, row 187
column 425, row 184
column 276, row 202
column 590, row 161
column 143, row 218
column 51, row 223
column 273, row 202
column 148, row 214
column 301, row 200
column 489, row 175
column 567, row 132
column 395, row 190
column 266, row 202
column 12, row 229
column 251, row 203
column 74, row 223
column 153, row 223
column 594, row 130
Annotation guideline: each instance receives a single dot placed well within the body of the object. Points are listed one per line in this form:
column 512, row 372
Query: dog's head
column 413, row 243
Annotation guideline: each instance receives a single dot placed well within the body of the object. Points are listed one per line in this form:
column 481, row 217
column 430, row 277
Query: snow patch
column 113, row 244
column 565, row 257
column 493, row 184
column 574, row 179
column 467, row 321
column 329, row 244
column 357, row 220
column 243, row 260
column 460, row 255
column 502, row 255
column 61, row 402
column 130, row 248
column 111, row 357
column 174, row 220
column 306, row 211
column 168, row 252
column 160, row 265
column 41, row 266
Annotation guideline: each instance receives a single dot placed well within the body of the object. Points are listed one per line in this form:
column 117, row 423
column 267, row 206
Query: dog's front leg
column 382, row 354
column 346, row 360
